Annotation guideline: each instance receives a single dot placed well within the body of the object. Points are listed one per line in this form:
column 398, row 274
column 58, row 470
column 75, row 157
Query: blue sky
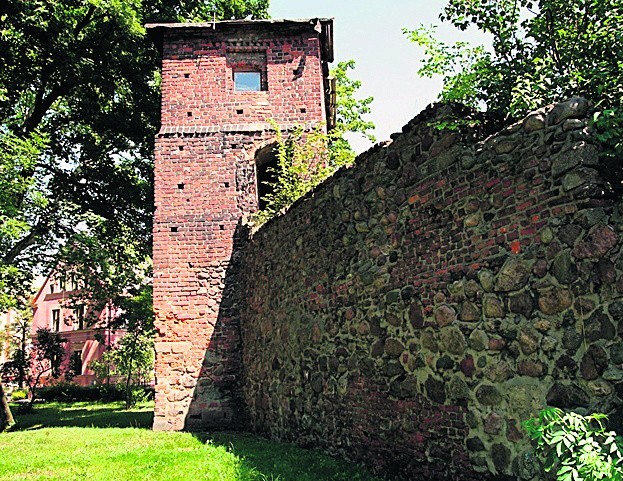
column 370, row 32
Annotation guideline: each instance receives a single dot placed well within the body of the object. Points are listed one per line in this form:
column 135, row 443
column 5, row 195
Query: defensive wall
column 413, row 310
column 408, row 313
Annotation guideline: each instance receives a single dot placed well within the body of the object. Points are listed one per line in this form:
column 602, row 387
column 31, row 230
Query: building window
column 249, row 69
column 51, row 288
column 75, row 363
column 248, row 81
column 79, row 318
column 61, row 283
column 56, row 320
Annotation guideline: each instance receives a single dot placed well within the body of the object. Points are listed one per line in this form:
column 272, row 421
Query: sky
column 370, row 32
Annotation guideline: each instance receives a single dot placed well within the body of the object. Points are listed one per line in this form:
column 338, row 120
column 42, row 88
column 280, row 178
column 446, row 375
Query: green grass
column 87, row 441
column 84, row 415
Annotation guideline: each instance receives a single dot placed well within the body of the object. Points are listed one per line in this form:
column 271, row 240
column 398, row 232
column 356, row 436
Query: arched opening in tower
column 267, row 172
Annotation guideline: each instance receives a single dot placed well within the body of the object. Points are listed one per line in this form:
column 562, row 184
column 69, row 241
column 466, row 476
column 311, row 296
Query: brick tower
column 221, row 84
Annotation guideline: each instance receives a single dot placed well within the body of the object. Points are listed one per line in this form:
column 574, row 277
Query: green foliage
column 19, row 394
column 203, row 10
column 103, row 262
column 46, row 358
column 608, row 125
column 48, row 353
column 70, row 392
column 131, row 361
column 608, row 129
column 131, row 358
column 16, row 367
column 302, row 163
column 459, row 64
column 79, row 108
column 306, row 159
column 18, row 335
column 76, row 118
column 575, row 447
column 542, row 51
column 21, row 201
column 349, row 115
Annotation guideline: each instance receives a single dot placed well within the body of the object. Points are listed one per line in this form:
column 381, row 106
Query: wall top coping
column 322, row 26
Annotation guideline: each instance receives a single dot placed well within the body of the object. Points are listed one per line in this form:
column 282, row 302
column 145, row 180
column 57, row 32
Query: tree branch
column 81, row 25
column 29, row 240
column 42, row 105
column 553, row 44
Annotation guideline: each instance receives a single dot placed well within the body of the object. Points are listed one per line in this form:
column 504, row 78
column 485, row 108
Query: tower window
column 248, row 81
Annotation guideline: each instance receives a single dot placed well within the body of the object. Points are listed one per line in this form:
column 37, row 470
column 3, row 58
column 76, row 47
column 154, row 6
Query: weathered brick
column 205, row 181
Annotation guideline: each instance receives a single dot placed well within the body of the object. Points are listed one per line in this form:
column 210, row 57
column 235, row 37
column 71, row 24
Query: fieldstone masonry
column 412, row 310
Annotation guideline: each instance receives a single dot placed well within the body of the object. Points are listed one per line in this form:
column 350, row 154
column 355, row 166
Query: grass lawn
column 92, row 441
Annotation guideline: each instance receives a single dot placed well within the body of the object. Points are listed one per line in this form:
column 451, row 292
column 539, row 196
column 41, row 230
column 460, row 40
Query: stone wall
column 414, row 309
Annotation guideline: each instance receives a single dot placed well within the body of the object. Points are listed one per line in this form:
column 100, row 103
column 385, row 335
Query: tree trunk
column 6, row 418
column 129, row 402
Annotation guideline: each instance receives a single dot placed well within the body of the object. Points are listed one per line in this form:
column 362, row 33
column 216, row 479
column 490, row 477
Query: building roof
column 324, row 27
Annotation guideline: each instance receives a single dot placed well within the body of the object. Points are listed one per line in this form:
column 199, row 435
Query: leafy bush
column 19, row 394
column 575, row 447
column 302, row 164
column 139, row 394
column 71, row 392
column 66, row 391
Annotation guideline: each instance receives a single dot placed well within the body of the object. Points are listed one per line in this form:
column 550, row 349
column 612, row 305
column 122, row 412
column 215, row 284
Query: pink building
column 83, row 339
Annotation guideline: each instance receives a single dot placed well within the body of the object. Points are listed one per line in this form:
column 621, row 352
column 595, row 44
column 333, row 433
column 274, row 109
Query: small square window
column 247, row 81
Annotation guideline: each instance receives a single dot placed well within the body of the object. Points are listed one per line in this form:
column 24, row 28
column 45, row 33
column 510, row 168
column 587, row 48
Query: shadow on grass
column 272, row 461
column 108, row 415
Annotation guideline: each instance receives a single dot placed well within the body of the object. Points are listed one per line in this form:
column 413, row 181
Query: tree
column 76, row 112
column 46, row 358
column 16, row 367
column 202, row 10
column 19, row 336
column 349, row 115
column 576, row 447
column 6, row 417
column 132, row 359
column 131, row 363
column 303, row 161
column 306, row 159
column 542, row 51
column 79, row 107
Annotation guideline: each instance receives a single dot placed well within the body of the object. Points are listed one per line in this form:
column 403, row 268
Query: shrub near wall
column 413, row 310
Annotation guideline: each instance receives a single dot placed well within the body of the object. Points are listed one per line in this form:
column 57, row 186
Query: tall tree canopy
column 79, row 107
column 542, row 51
